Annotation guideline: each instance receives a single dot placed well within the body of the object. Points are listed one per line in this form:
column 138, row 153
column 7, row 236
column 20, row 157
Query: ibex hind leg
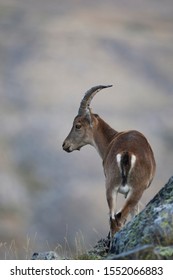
column 134, row 211
column 111, row 195
column 131, row 205
column 114, row 227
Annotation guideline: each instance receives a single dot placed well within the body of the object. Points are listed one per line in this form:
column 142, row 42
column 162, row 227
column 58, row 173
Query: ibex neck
column 103, row 135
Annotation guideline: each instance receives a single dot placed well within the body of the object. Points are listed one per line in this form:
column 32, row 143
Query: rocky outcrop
column 152, row 227
column 149, row 235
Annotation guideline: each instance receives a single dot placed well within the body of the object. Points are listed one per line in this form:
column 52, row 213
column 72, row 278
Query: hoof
column 115, row 226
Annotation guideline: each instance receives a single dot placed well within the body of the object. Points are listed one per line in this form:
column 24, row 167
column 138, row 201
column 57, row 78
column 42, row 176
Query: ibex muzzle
column 128, row 160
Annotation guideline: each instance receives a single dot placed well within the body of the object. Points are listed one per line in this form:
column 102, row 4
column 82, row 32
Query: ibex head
column 81, row 133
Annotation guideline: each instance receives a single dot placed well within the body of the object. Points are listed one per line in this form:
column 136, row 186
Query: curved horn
column 85, row 103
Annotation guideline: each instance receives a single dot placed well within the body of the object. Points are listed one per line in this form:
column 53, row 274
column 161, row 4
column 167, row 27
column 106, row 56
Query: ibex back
column 128, row 160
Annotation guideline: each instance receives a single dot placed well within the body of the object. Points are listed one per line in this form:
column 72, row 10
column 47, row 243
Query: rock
column 164, row 252
column 150, row 233
column 100, row 250
column 138, row 253
column 51, row 255
column 144, row 253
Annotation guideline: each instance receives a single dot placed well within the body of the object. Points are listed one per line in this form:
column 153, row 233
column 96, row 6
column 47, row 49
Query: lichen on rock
column 153, row 226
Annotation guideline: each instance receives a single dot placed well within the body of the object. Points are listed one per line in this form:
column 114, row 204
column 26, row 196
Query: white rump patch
column 133, row 160
column 119, row 160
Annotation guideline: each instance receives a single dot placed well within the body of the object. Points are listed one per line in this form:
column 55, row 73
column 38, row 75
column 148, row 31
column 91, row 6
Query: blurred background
column 51, row 52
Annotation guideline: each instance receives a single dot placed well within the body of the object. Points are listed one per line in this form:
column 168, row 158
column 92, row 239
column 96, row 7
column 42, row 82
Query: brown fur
column 128, row 145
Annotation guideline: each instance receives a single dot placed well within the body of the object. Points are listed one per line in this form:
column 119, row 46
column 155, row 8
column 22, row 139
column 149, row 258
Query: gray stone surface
column 45, row 256
column 153, row 227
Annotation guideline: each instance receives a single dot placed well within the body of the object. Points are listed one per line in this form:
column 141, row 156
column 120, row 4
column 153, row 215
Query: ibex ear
column 88, row 116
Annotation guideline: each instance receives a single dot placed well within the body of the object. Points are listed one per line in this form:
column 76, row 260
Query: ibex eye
column 78, row 126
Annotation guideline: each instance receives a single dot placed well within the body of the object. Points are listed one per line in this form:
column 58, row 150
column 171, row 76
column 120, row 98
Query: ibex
column 128, row 159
